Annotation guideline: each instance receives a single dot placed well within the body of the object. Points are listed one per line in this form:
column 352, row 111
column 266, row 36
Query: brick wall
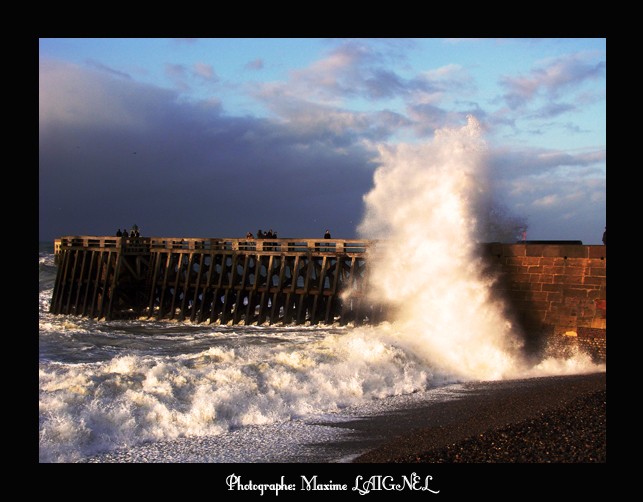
column 554, row 291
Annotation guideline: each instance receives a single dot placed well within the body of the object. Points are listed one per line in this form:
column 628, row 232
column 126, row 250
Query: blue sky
column 216, row 137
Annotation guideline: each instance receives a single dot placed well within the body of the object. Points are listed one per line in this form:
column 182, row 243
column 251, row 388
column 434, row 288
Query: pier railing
column 546, row 285
column 278, row 245
column 224, row 280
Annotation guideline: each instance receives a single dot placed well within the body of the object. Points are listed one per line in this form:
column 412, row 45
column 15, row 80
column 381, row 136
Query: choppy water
column 164, row 391
column 109, row 385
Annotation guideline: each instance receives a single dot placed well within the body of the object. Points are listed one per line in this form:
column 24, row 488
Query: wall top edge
column 546, row 250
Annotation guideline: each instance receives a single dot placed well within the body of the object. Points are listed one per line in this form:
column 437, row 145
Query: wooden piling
column 223, row 281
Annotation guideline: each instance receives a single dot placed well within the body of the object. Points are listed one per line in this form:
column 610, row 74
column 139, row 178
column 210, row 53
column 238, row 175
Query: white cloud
column 547, row 200
column 314, row 123
column 551, row 79
column 182, row 168
column 205, row 71
column 74, row 95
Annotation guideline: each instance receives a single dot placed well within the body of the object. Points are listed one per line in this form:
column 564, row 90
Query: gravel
column 550, row 420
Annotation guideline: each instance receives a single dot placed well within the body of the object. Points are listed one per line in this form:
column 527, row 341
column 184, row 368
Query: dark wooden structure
column 552, row 290
column 227, row 281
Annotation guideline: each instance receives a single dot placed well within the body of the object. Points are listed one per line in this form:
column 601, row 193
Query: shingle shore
column 549, row 420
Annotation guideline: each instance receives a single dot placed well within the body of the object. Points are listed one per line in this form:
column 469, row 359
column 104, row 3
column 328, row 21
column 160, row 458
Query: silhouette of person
column 269, row 235
column 605, row 237
column 260, row 234
column 326, row 236
column 119, row 233
column 249, row 236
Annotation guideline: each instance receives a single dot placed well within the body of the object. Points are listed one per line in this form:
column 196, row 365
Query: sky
column 218, row 137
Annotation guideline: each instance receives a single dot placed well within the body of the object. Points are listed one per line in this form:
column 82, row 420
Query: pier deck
column 227, row 281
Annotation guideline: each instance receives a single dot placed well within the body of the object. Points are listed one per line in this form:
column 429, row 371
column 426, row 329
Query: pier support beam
column 223, row 281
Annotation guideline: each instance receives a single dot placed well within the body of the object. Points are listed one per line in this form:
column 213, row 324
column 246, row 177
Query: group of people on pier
column 270, row 234
column 133, row 232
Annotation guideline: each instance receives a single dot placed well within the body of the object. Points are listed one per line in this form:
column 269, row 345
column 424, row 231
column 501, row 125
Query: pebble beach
column 540, row 420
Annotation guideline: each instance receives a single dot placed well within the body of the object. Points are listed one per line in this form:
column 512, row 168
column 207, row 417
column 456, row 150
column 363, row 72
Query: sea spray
column 424, row 210
column 114, row 385
column 233, row 382
column 427, row 210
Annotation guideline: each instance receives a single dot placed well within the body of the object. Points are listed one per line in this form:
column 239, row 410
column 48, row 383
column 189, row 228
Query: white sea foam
column 425, row 208
column 128, row 399
column 113, row 385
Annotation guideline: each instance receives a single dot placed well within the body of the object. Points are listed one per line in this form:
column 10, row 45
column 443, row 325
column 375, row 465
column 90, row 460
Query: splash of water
column 423, row 210
column 446, row 327
column 88, row 408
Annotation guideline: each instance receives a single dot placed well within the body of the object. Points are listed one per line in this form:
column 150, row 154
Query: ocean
column 149, row 391
column 235, row 392
column 163, row 391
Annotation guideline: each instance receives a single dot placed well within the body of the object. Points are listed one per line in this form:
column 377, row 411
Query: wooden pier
column 223, row 281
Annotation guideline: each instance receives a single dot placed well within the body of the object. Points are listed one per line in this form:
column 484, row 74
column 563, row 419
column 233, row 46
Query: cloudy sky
column 217, row 137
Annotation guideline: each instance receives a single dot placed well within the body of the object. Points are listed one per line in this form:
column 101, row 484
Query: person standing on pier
column 326, row 236
column 250, row 237
column 268, row 235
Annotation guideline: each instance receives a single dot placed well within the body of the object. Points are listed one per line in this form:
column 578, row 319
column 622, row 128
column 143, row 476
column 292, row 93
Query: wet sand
column 559, row 419
column 502, row 440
